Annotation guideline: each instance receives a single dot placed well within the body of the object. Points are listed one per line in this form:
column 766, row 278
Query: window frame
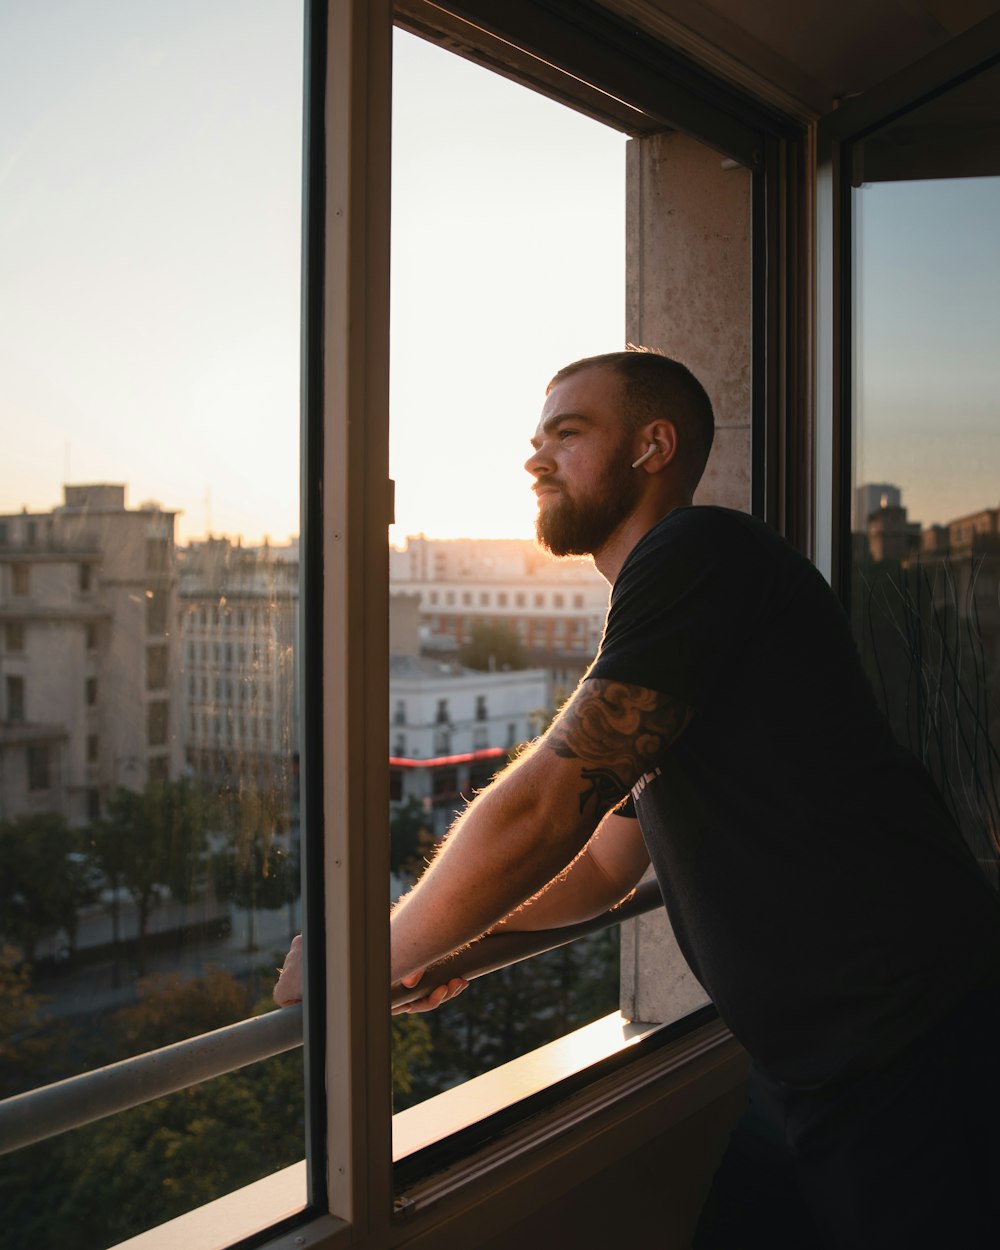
column 347, row 505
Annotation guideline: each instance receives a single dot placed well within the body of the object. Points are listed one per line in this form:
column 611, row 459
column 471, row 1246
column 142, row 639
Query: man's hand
column 288, row 990
column 434, row 999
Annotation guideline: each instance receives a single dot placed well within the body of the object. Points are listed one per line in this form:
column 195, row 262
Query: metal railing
column 41, row 1113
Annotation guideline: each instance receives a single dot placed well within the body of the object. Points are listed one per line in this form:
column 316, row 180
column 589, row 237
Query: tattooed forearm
column 616, row 731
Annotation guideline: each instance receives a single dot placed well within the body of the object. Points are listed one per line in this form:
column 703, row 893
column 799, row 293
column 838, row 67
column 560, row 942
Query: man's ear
column 661, row 437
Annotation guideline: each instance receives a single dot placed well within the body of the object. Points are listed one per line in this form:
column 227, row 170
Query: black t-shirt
column 815, row 881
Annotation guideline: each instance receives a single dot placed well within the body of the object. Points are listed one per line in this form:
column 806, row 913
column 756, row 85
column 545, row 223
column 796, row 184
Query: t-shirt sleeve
column 676, row 609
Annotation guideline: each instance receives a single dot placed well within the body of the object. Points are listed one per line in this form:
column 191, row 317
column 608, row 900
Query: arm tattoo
column 616, row 732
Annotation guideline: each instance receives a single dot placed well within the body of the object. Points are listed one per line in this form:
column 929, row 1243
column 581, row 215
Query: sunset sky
column 149, row 278
column 149, row 265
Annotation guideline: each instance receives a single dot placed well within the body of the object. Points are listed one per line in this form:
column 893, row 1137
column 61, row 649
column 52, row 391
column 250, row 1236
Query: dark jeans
column 901, row 1158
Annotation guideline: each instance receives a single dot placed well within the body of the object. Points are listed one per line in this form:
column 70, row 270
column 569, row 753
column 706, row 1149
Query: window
column 501, row 599
column 157, row 555
column 86, row 577
column 13, row 632
column 90, row 692
column 481, row 712
column 92, row 749
column 539, row 601
column 38, row 768
column 90, row 637
column 578, row 601
column 466, row 598
column 159, row 769
column 520, row 599
column 558, row 601
column 156, row 666
column 20, row 579
column 156, row 612
column 441, row 715
column 15, row 698
column 924, row 543
column 399, row 716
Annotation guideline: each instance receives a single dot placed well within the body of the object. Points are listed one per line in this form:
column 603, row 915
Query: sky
column 150, row 187
column 928, row 342
column 150, row 160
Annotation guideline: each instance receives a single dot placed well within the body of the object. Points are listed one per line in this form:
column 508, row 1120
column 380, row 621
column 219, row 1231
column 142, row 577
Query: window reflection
column 926, row 522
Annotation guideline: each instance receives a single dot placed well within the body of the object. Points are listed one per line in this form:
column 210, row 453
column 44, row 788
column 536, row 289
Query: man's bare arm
column 601, row 876
column 525, row 827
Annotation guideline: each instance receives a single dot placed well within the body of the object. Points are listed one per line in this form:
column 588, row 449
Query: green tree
column 256, row 869
column 410, row 840
column 493, row 648
column 152, row 840
column 43, row 880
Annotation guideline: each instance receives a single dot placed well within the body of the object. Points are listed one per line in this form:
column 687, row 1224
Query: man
column 815, row 881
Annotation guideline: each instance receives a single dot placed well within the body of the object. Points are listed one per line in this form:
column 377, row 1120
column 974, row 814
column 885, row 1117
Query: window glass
column 149, row 349
column 498, row 196
column 926, row 503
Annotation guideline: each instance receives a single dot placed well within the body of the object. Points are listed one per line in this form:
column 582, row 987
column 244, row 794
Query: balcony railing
column 42, row 1113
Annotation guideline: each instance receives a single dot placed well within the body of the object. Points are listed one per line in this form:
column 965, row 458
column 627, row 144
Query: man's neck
column 610, row 558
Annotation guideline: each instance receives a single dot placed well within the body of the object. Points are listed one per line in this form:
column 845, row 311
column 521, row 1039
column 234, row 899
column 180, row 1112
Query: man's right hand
column 288, row 989
column 440, row 994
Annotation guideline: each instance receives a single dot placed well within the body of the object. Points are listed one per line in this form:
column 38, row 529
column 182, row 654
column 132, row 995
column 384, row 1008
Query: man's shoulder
column 705, row 533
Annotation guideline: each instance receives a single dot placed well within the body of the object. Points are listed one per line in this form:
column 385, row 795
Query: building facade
column 88, row 653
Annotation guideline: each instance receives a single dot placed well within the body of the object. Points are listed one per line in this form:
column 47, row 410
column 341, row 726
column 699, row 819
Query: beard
column 580, row 527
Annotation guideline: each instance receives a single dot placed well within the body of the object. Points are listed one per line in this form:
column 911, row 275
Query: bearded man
column 814, row 878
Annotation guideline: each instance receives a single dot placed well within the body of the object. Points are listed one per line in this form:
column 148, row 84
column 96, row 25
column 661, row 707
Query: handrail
column 49, row 1110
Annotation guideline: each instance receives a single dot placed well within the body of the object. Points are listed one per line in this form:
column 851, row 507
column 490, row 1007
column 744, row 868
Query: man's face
column 582, row 464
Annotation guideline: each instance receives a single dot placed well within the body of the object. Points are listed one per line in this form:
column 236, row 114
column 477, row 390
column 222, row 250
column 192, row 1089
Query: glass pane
column 508, row 261
column 926, row 525
column 149, row 341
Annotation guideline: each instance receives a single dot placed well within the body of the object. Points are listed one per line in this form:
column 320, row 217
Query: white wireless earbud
column 651, row 450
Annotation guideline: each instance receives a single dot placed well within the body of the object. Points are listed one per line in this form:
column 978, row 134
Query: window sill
column 508, row 1177
column 473, row 1101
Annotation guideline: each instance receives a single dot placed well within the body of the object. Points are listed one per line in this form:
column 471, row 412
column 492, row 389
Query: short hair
column 659, row 388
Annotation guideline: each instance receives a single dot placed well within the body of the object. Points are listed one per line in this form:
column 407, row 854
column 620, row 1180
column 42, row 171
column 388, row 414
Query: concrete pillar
column 689, row 295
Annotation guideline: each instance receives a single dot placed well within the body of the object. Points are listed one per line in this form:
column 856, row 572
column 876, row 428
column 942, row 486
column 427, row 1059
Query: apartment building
column 451, row 728
column 555, row 607
column 239, row 611
column 88, row 605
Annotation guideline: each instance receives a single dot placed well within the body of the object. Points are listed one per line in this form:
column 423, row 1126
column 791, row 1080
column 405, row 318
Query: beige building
column 239, row 618
column 556, row 607
column 89, row 696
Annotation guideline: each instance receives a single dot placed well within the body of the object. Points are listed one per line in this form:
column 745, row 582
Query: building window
column 156, row 612
column 15, row 698
column 484, row 598
column 480, row 738
column 156, row 723
column 520, row 599
column 38, row 768
column 441, row 716
column 159, row 771
column 93, row 805
column 92, row 748
column 13, row 633
column 157, row 555
column 90, row 692
column 539, row 601
column 399, row 716
column 449, row 598
column 481, row 713
column 399, row 747
column 502, row 599
column 156, row 666
column 86, row 577
column 20, row 579
column 558, row 600
column 433, row 596
column 578, row 601
column 90, row 637
column 466, row 598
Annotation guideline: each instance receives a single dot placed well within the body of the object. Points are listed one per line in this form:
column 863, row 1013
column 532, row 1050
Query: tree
column 256, row 869
column 410, row 839
column 43, row 880
column 151, row 841
column 493, row 648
